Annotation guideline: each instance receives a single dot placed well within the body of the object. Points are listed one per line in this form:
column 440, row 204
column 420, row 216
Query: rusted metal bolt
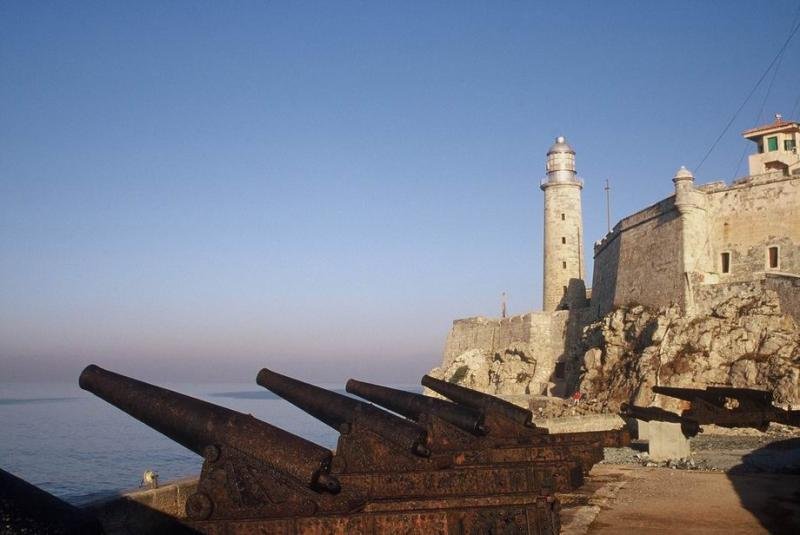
column 199, row 506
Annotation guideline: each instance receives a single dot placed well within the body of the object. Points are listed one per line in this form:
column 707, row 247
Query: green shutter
column 772, row 143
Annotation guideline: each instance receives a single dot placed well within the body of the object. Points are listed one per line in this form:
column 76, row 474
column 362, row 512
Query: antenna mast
column 608, row 205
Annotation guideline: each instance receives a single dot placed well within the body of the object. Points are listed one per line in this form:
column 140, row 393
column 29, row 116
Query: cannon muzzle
column 338, row 410
column 203, row 427
column 413, row 406
column 478, row 400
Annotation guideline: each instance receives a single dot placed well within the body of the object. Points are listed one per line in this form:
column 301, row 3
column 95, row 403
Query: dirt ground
column 734, row 482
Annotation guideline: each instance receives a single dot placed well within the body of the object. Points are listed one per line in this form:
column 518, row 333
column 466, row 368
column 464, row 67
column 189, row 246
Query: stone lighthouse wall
column 563, row 247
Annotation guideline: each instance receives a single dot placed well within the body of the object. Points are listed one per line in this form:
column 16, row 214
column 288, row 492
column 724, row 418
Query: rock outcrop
column 509, row 371
column 744, row 341
column 741, row 338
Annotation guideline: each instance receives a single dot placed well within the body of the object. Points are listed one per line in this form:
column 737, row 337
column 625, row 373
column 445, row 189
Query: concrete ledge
column 145, row 511
column 580, row 424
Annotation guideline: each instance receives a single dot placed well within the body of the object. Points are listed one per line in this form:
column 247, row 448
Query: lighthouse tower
column 564, row 287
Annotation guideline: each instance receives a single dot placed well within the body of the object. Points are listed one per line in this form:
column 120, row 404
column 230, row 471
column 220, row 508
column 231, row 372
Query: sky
column 195, row 190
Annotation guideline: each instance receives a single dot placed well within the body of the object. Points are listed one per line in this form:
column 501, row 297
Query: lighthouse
column 564, row 287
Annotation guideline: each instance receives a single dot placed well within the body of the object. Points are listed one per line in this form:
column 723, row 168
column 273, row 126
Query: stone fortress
column 701, row 287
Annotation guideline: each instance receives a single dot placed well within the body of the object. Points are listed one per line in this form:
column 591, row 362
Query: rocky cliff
column 507, row 371
column 743, row 339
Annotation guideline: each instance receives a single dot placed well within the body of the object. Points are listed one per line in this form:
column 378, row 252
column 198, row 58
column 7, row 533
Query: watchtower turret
column 777, row 147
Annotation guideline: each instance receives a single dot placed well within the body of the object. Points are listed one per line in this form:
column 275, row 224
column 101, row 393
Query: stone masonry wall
column 787, row 287
column 640, row 261
column 747, row 218
column 563, row 247
column 511, row 356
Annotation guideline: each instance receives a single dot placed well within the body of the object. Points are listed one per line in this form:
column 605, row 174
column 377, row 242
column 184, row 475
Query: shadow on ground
column 768, row 484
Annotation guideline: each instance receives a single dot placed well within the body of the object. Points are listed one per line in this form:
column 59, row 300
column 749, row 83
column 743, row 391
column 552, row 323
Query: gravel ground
column 772, row 452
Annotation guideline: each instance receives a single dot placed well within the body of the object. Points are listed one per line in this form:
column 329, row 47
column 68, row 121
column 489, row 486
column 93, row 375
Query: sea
column 80, row 448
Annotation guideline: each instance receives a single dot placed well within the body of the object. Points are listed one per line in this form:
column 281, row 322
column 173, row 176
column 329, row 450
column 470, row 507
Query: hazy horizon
column 193, row 191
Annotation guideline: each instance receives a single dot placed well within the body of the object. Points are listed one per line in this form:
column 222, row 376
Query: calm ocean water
column 79, row 447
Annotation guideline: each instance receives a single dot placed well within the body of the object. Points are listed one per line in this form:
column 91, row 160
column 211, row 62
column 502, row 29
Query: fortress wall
column 513, row 330
column 545, row 336
column 708, row 296
column 788, row 290
column 640, row 262
column 470, row 333
column 747, row 218
column 787, row 287
column 486, row 334
column 604, row 277
column 547, row 340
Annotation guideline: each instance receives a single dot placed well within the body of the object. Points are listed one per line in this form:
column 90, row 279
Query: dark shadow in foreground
column 126, row 516
column 768, row 484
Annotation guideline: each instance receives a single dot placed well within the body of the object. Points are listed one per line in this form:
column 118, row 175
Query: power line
column 749, row 96
column 795, row 108
column 757, row 120
column 763, row 105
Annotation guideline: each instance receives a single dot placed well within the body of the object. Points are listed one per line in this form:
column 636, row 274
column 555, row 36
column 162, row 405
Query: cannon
column 373, row 455
column 25, row 508
column 257, row 478
column 689, row 427
column 479, row 401
column 460, row 432
column 508, row 423
column 340, row 412
column 719, row 405
column 731, row 407
column 246, row 461
column 414, row 406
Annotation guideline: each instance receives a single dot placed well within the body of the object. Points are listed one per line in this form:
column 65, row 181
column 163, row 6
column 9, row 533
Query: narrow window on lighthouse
column 563, row 240
column 564, row 265
column 562, row 217
column 772, row 256
column 726, row 262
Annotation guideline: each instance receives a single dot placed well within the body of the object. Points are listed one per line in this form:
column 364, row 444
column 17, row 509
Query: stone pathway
column 632, row 499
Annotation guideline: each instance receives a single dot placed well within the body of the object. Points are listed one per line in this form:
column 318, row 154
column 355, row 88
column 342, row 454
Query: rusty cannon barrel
column 204, row 427
column 478, row 400
column 648, row 414
column 413, row 406
column 337, row 410
column 25, row 508
column 689, row 427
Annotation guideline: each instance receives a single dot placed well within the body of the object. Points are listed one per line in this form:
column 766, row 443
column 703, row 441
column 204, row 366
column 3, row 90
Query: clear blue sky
column 196, row 189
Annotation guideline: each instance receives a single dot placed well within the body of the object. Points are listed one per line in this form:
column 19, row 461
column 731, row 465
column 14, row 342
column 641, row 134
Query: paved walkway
column 626, row 499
